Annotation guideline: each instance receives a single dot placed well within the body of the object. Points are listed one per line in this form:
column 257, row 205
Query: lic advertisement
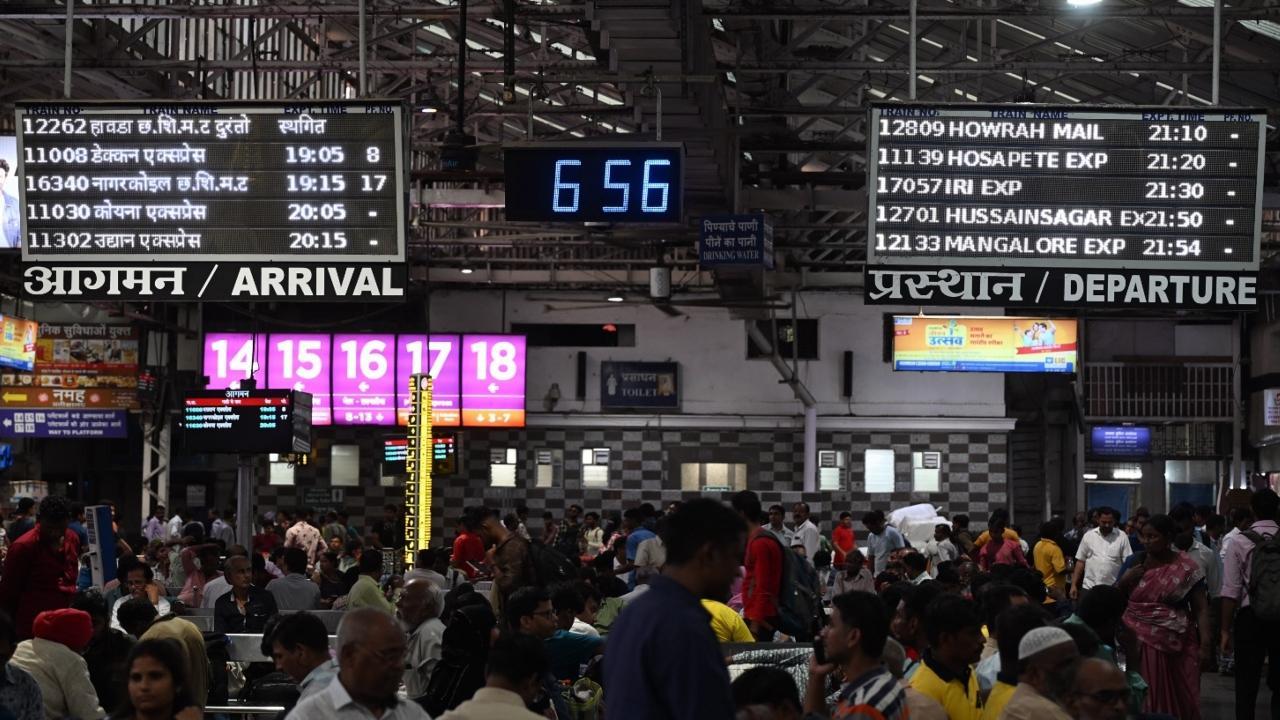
column 984, row 344
column 643, row 385
column 735, row 240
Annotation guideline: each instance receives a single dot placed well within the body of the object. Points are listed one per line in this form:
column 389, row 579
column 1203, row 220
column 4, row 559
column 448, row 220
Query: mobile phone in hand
column 819, row 652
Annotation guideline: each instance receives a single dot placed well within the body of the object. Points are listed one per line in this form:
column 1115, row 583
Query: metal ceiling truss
column 769, row 97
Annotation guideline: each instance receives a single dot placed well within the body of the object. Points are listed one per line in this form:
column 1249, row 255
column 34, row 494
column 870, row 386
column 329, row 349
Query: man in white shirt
column 806, row 532
column 300, row 649
column 777, row 514
column 371, row 655
column 419, row 610
column 940, row 549
column 175, row 527
column 513, row 679
column 220, row 530
column 1102, row 551
column 1241, row 519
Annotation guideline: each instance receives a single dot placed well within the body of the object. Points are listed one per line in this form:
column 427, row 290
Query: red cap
column 73, row 628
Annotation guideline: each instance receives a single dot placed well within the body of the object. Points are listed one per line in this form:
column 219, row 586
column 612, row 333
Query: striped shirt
column 876, row 695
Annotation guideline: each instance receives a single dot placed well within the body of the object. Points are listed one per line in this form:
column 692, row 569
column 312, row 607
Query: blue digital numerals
column 655, row 197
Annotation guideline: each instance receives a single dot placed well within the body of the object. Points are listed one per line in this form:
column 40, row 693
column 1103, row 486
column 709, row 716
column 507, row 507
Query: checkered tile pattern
column 642, row 469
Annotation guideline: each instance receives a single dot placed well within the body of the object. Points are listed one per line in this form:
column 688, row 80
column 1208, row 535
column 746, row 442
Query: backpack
column 1264, row 576
column 798, row 604
column 550, row 567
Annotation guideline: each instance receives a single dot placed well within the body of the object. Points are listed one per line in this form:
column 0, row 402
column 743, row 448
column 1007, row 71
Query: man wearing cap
column 1046, row 656
column 53, row 659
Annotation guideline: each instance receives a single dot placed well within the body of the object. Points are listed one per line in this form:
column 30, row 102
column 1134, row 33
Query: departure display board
column 212, row 181
column 1071, row 186
column 246, row 422
column 595, row 182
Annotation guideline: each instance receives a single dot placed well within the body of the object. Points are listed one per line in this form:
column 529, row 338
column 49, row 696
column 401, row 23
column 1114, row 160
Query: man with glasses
column 529, row 612
column 371, row 653
column 1100, row 692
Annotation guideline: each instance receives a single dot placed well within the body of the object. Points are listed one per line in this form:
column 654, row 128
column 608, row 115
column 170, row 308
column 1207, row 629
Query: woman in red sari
column 1168, row 613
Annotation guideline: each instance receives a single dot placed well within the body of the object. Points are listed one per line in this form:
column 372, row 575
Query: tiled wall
column 644, row 467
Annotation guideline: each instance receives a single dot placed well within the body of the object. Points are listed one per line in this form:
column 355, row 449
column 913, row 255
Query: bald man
column 371, row 653
column 419, row 609
column 1100, row 692
column 245, row 609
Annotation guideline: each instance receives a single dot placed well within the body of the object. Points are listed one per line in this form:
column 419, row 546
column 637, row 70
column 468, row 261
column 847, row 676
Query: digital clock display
column 1073, row 186
column 590, row 182
column 212, row 181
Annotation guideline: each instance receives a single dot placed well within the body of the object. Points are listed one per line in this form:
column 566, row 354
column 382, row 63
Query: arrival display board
column 1149, row 206
column 363, row 379
column 151, row 199
column 246, row 422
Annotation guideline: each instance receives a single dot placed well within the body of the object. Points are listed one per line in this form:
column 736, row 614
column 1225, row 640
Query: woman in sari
column 1168, row 614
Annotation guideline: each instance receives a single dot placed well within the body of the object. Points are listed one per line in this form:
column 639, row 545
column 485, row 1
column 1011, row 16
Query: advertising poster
column 18, row 342
column 10, row 213
column 984, row 344
column 78, row 365
column 1271, row 407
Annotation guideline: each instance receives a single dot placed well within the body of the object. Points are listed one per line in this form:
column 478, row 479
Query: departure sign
column 246, row 422
column 493, row 380
column 1084, row 187
column 595, row 182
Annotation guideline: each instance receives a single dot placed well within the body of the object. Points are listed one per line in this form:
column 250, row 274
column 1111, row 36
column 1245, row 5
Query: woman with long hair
column 1168, row 613
column 156, row 684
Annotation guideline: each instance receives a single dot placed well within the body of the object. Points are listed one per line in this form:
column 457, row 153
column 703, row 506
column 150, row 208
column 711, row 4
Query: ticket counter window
column 878, row 470
column 595, row 467
column 713, row 477
column 926, row 472
column 279, row 471
column 502, row 467
column 344, row 466
column 550, row 468
column 831, row 470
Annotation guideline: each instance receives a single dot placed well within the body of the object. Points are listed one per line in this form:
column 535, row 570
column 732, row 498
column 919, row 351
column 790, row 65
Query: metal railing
column 1190, row 391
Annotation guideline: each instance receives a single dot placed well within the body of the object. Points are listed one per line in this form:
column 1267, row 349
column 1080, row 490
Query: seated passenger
column 53, row 658
column 246, row 608
column 138, row 583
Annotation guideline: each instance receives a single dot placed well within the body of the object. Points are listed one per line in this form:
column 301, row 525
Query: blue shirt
column 636, row 537
column 19, row 693
column 663, row 662
column 569, row 651
column 81, row 533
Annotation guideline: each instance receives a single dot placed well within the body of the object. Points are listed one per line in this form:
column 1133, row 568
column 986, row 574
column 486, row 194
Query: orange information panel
column 493, row 418
column 984, row 344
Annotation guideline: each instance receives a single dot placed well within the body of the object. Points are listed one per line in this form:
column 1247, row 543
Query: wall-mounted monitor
column 1120, row 441
column 246, row 422
column 964, row 343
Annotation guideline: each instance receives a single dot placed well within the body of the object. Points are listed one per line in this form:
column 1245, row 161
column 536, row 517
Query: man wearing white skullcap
column 1045, row 658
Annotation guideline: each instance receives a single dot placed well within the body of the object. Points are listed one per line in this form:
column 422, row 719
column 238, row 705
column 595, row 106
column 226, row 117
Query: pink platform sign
column 302, row 362
column 364, row 380
column 438, row 356
column 231, row 357
column 493, row 389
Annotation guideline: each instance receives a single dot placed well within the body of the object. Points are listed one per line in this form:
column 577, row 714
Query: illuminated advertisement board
column 984, row 344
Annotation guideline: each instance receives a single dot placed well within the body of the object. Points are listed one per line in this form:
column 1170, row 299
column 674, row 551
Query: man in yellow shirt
column 727, row 624
column 1013, row 624
column 1047, row 557
column 954, row 631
